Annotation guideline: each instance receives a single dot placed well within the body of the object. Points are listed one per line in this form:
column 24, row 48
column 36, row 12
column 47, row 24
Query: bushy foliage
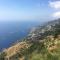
column 2, row 56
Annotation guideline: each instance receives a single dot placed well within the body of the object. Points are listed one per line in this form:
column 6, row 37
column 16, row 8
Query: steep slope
column 43, row 43
column 48, row 49
column 40, row 32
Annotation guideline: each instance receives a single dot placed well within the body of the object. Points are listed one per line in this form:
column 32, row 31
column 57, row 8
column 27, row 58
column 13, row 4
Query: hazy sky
column 29, row 9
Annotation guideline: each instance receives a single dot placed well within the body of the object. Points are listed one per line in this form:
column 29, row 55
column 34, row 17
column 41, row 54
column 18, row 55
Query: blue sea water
column 11, row 31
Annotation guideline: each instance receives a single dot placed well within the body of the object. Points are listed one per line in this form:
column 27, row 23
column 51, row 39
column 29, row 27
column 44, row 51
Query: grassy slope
column 48, row 49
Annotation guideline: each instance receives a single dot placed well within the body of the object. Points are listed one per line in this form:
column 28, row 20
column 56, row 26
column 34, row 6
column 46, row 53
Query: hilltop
column 42, row 43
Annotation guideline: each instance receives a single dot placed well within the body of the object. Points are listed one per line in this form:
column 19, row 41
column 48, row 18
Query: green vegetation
column 2, row 56
column 45, row 50
column 39, row 51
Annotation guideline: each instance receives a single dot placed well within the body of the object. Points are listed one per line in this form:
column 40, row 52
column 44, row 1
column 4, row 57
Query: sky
column 29, row 9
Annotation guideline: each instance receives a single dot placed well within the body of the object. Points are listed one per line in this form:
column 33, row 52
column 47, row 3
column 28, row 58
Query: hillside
column 42, row 43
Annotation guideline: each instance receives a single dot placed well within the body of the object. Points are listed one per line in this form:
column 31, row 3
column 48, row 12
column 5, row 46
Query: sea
column 13, row 31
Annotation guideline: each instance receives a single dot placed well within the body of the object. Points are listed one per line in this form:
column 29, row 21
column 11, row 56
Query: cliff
column 42, row 43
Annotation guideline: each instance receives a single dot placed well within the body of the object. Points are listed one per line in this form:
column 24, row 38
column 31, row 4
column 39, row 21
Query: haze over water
column 12, row 31
column 16, row 17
